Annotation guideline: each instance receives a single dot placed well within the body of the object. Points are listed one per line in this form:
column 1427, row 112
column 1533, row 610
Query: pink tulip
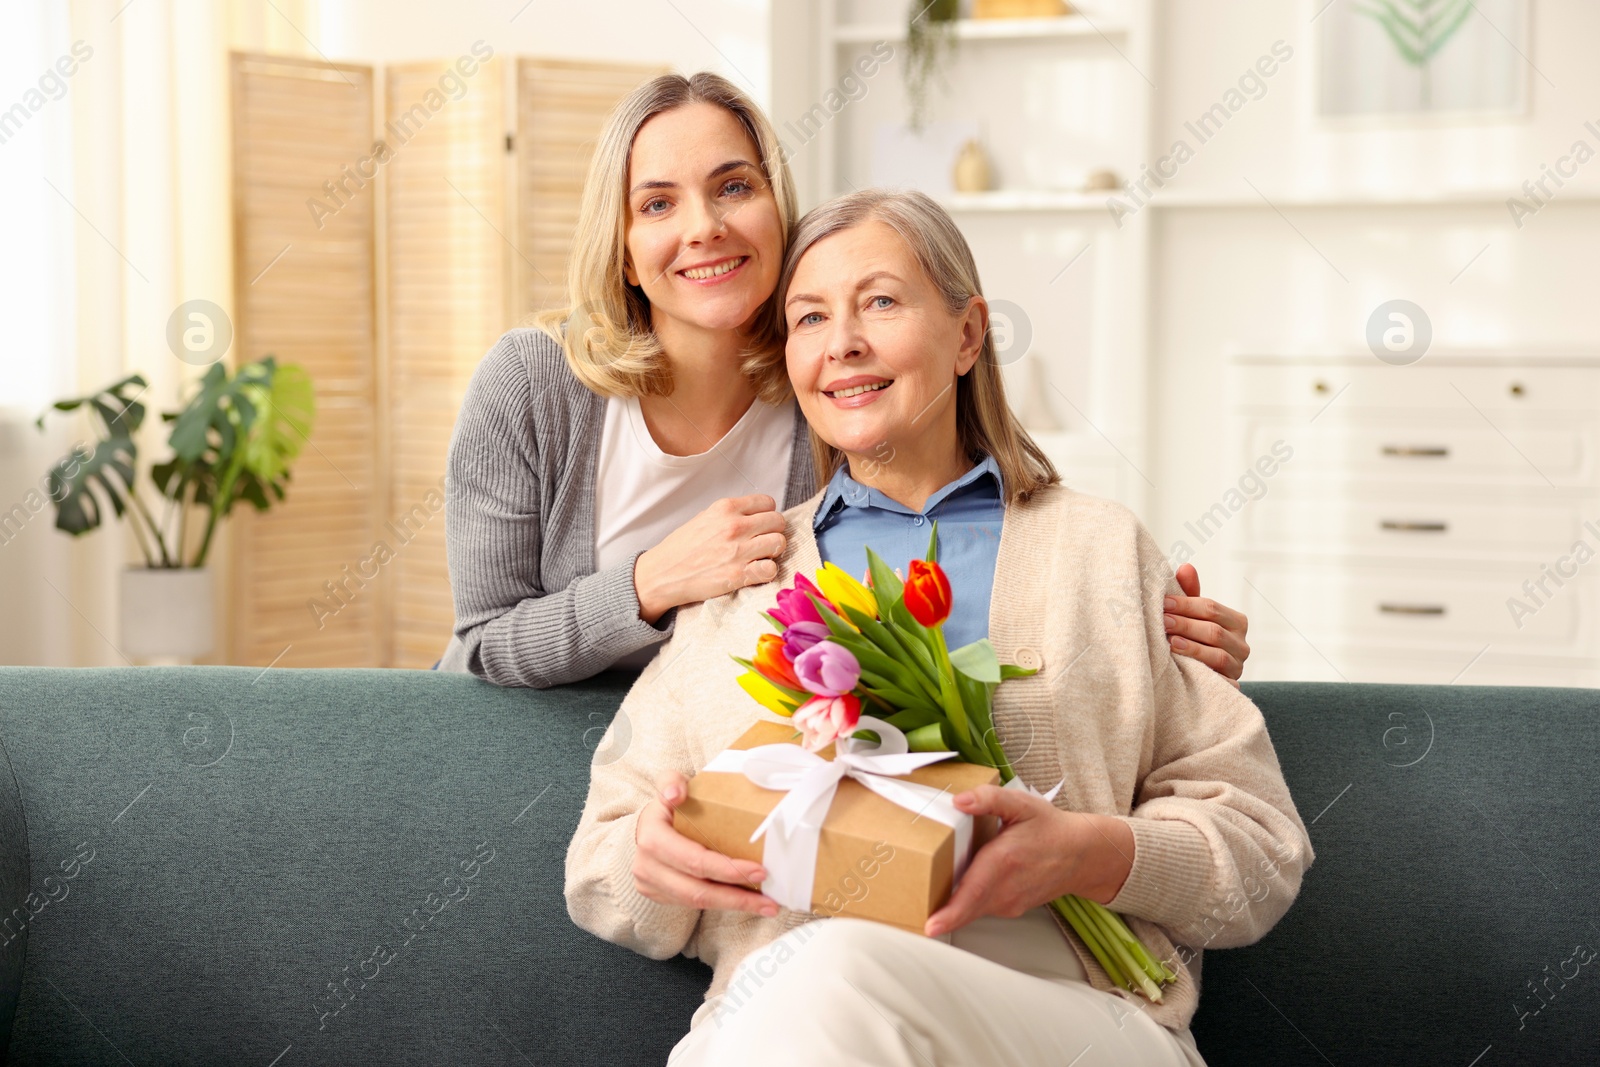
column 827, row 669
column 823, row 720
column 801, row 636
column 793, row 604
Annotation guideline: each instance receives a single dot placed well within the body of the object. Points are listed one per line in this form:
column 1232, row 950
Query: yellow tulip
column 842, row 590
column 766, row 694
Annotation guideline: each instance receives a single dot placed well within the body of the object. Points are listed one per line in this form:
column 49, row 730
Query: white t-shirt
column 642, row 494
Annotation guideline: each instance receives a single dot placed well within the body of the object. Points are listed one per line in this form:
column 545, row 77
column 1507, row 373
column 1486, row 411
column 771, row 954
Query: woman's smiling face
column 704, row 237
column 873, row 351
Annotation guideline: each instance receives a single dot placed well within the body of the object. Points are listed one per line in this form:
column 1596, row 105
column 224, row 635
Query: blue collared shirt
column 970, row 509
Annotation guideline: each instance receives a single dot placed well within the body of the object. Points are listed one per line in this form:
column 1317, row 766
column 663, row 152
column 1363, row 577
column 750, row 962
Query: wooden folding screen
column 561, row 107
column 459, row 261
column 303, row 291
column 446, row 231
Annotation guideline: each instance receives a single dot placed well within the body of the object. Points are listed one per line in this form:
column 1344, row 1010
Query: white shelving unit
column 1024, row 200
column 1055, row 98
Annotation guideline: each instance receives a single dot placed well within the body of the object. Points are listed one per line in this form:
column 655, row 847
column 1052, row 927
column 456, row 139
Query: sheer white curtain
column 115, row 207
column 38, row 317
column 36, row 265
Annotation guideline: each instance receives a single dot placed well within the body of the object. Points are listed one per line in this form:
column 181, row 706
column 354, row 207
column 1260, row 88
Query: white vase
column 166, row 613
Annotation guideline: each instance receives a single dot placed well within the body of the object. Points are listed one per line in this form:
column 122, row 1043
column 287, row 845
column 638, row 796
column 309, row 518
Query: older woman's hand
column 1199, row 627
column 1039, row 854
column 671, row 869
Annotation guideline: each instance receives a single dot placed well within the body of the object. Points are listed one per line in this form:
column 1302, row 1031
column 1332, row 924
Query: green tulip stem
column 949, row 696
column 1118, row 939
column 1089, row 936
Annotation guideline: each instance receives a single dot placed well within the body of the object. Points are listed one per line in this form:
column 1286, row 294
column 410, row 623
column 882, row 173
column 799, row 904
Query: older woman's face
column 873, row 352
column 704, row 237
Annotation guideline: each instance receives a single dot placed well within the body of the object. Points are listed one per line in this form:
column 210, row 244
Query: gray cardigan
column 531, row 608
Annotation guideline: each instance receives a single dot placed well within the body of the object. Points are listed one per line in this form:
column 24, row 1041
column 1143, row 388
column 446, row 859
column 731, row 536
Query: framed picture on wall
column 1405, row 59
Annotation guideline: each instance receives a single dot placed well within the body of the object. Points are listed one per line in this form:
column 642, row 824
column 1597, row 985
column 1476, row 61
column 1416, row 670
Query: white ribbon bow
column 793, row 828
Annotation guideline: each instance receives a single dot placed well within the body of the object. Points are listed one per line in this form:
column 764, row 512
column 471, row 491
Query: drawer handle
column 1414, row 527
column 1411, row 609
column 1416, row 450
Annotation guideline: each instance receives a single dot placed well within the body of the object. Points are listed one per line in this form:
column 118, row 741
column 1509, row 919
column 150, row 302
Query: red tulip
column 773, row 665
column 928, row 593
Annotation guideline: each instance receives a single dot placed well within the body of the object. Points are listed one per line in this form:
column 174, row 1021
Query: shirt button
column 917, row 521
column 1029, row 660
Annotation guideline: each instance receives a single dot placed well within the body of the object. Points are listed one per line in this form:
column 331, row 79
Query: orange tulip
column 771, row 662
column 928, row 593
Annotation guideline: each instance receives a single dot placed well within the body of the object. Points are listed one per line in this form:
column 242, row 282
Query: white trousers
column 996, row 993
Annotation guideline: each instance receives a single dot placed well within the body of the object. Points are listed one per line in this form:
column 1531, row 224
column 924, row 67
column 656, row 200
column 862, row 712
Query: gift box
column 891, row 862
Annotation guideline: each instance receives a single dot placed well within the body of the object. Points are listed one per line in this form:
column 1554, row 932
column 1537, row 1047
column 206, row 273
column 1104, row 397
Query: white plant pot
column 166, row 613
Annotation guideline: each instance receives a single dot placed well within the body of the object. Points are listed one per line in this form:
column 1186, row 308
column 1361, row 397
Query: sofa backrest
column 234, row 854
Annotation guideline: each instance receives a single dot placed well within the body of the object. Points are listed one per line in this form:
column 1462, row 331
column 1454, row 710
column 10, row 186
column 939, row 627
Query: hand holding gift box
column 827, row 824
column 840, row 645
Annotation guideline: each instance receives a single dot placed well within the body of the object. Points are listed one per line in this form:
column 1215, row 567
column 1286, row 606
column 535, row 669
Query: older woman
column 603, row 475
column 1174, row 812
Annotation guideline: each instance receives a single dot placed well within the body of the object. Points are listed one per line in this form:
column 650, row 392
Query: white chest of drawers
column 1438, row 522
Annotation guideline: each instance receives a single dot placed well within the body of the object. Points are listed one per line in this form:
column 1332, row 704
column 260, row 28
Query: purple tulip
column 827, row 669
column 793, row 604
column 801, row 636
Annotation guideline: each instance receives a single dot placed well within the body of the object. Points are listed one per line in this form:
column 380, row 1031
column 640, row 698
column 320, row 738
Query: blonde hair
column 984, row 419
column 605, row 329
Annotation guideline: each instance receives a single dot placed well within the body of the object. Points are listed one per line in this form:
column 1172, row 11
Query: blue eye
column 807, row 319
column 738, row 185
column 649, row 205
column 887, row 301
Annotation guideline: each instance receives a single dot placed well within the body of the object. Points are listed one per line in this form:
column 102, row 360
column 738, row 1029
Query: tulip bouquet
column 841, row 645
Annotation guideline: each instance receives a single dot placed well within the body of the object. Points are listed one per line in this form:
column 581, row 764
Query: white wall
column 1240, row 275
column 730, row 37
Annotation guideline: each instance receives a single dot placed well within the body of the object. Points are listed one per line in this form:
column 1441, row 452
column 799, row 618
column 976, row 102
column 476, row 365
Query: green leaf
column 120, row 414
column 907, row 626
column 886, row 588
column 898, row 699
column 909, row 719
column 78, row 508
column 1011, row 670
column 277, row 422
column 933, row 543
column 929, row 738
column 977, row 661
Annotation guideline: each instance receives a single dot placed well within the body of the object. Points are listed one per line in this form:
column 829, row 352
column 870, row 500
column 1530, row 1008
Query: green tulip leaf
column 978, row 661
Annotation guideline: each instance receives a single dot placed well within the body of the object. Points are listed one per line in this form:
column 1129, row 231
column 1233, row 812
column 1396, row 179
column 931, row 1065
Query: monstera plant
column 233, row 441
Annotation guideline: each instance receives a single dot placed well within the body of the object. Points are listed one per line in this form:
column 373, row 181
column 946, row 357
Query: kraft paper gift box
column 875, row 859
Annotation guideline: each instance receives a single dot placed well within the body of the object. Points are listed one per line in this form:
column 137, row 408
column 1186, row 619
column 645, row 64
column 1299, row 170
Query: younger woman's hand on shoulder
column 731, row 544
column 1205, row 630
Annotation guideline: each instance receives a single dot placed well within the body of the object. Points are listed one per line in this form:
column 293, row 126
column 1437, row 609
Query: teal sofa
column 212, row 865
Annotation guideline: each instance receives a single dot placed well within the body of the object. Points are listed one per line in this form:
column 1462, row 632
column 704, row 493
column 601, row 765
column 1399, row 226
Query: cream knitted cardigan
column 1138, row 733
